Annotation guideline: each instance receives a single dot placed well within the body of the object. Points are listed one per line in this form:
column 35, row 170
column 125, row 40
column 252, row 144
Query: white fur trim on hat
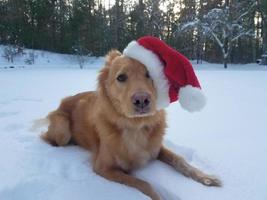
column 155, row 68
column 191, row 98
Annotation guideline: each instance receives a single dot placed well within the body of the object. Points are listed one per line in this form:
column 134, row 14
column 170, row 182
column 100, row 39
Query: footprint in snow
column 191, row 155
column 19, row 100
column 25, row 191
column 7, row 114
column 63, row 166
column 13, row 127
column 186, row 152
column 27, row 99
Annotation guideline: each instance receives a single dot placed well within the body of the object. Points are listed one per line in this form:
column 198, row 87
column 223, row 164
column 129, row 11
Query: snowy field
column 228, row 138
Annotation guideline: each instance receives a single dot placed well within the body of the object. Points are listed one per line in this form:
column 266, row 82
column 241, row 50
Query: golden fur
column 106, row 123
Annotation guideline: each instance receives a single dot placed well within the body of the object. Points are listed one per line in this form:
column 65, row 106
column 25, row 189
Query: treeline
column 92, row 27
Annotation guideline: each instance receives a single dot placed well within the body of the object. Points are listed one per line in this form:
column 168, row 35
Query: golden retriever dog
column 120, row 125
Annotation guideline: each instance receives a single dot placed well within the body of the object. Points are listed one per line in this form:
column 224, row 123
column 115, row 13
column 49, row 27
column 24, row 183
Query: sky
column 112, row 2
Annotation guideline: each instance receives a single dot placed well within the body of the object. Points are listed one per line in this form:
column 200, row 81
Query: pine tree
column 137, row 20
column 265, row 25
column 264, row 11
column 91, row 28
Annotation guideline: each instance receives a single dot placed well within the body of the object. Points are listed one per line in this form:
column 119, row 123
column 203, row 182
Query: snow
column 47, row 59
column 228, row 138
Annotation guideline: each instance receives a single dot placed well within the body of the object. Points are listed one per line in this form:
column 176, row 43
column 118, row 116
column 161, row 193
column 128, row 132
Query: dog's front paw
column 210, row 180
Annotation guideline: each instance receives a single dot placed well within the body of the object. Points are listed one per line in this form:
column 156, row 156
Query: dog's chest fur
column 136, row 148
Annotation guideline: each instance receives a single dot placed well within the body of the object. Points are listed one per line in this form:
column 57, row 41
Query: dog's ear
column 102, row 77
column 111, row 55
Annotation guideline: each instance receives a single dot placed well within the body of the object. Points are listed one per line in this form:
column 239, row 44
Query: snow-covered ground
column 47, row 59
column 228, row 138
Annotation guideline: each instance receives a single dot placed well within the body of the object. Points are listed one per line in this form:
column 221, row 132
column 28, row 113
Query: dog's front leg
column 180, row 164
column 123, row 178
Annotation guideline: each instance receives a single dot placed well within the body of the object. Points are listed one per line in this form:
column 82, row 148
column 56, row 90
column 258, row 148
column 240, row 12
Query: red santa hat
column 171, row 72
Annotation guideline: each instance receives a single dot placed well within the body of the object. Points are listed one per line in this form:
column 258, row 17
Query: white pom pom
column 191, row 98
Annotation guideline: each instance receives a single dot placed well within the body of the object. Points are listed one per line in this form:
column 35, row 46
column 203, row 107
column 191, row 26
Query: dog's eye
column 147, row 75
column 122, row 77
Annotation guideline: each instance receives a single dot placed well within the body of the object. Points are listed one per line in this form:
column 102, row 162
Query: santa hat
column 171, row 72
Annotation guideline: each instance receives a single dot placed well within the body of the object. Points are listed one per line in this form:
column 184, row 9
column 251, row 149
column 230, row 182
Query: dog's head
column 128, row 86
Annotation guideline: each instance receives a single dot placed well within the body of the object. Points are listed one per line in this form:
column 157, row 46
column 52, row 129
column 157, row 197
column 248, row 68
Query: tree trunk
column 264, row 14
column 225, row 63
column 226, row 55
column 264, row 56
column 265, row 33
column 226, row 52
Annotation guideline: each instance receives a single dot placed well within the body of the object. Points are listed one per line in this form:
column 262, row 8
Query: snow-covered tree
column 224, row 25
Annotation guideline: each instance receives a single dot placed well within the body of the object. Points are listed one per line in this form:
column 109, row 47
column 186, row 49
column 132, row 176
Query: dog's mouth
column 143, row 112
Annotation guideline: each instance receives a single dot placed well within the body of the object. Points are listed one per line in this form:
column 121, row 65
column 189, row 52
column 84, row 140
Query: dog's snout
column 141, row 100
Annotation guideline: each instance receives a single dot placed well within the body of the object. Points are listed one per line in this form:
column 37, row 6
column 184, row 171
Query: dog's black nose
column 141, row 100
